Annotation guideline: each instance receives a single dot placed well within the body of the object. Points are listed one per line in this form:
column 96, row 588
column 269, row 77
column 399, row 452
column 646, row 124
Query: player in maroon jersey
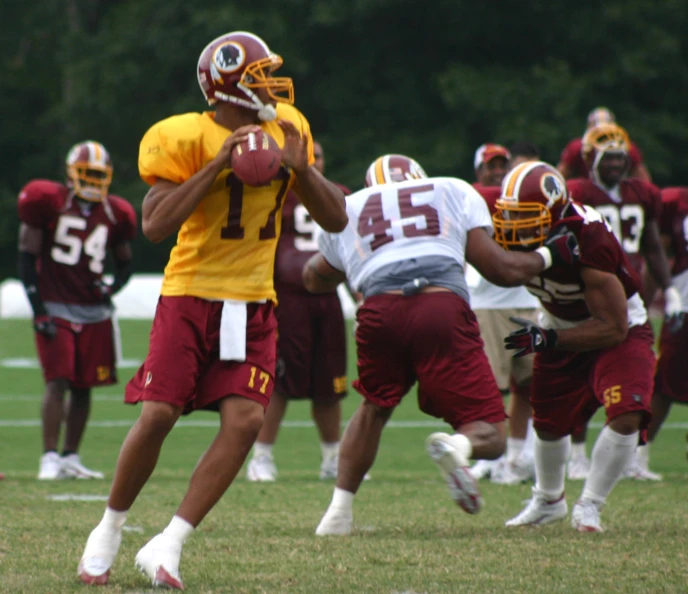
column 632, row 207
column 311, row 345
column 671, row 380
column 65, row 235
column 593, row 344
column 572, row 164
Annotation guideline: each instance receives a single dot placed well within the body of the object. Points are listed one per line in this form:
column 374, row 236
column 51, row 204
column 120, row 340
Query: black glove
column 103, row 290
column 530, row 338
column 45, row 325
column 563, row 246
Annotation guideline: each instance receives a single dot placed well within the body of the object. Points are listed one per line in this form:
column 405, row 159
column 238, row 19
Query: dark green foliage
column 432, row 80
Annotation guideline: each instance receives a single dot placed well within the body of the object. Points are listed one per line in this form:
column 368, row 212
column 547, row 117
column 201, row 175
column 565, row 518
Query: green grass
column 410, row 537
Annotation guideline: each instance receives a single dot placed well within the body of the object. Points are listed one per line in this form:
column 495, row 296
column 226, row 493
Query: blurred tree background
column 433, row 80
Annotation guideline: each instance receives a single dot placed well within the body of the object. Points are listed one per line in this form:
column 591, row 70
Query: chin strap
column 266, row 111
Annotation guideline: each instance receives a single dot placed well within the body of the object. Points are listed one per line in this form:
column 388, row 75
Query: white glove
column 673, row 308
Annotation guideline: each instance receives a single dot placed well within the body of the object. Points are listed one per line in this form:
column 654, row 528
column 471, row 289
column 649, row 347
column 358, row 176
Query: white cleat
column 585, row 516
column 262, row 469
column 454, row 468
column 578, row 468
column 159, row 560
column 514, row 473
column 639, row 471
column 482, row 469
column 50, row 467
column 540, row 511
column 335, row 522
column 73, row 468
column 99, row 555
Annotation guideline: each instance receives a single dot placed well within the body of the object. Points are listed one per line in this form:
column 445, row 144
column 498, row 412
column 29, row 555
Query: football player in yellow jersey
column 213, row 340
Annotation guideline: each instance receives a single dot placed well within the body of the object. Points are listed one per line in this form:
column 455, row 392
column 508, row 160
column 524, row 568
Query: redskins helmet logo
column 229, row 57
column 552, row 187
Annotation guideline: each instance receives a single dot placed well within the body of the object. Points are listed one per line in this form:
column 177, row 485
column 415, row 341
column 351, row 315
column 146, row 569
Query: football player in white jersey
column 405, row 249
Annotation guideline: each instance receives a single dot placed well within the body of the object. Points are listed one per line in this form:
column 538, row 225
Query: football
column 257, row 160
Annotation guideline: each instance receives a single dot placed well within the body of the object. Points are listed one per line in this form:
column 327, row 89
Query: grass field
column 410, row 537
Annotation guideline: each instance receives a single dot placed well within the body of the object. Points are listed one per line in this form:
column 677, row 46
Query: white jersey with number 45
column 394, row 222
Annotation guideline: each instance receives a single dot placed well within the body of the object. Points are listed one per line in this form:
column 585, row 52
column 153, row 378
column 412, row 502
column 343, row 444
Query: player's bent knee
column 158, row 416
column 626, row 423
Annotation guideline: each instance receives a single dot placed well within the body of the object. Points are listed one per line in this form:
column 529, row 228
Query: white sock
column 178, row 529
column 463, row 445
column 643, row 455
column 578, row 450
column 550, row 465
column 610, row 457
column 262, row 449
column 113, row 520
column 329, row 449
column 342, row 500
column 514, row 448
column 529, row 447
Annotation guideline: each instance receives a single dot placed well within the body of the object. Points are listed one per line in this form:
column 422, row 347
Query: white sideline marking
column 76, row 497
column 28, row 363
column 289, row 424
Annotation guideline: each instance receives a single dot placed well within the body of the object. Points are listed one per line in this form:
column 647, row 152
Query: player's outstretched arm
column 167, row 205
column 323, row 199
column 510, row 269
column 320, row 277
column 608, row 324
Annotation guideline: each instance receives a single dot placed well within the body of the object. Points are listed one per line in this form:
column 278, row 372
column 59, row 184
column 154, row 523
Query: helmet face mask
column 89, row 171
column 602, row 147
column 392, row 169
column 238, row 68
column 534, row 196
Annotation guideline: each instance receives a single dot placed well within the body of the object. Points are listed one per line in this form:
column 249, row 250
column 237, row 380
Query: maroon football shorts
column 183, row 365
column 83, row 354
column 432, row 338
column 311, row 347
column 671, row 378
column 569, row 387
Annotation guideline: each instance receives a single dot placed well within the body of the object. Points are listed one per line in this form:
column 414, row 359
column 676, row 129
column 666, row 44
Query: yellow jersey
column 226, row 248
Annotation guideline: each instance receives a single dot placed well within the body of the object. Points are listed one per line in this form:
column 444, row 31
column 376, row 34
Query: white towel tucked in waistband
column 233, row 331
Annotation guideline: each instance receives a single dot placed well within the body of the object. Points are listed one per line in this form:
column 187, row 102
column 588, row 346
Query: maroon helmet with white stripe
column 89, row 171
column 391, row 169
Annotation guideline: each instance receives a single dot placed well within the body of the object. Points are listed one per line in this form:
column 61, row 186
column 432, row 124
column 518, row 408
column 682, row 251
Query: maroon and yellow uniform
column 568, row 387
column 77, row 236
column 225, row 253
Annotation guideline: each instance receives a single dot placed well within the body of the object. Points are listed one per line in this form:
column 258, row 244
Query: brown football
column 257, row 160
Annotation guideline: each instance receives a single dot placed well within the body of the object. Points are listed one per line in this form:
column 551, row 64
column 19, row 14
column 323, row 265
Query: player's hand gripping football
column 295, row 149
column 45, row 325
column 529, row 338
column 674, row 317
column 563, row 246
column 224, row 155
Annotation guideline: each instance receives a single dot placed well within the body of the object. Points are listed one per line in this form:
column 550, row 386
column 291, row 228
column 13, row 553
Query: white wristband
column 546, row 256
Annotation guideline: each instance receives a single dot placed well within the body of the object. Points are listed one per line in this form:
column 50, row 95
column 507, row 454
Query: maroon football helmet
column 89, row 171
column 390, row 169
column 534, row 197
column 234, row 65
